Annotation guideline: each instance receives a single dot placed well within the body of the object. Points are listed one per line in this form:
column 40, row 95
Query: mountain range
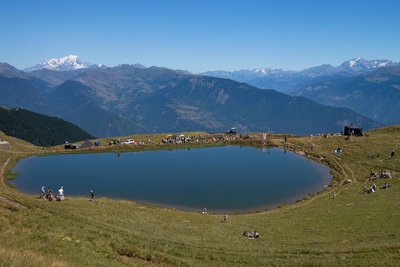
column 290, row 81
column 375, row 94
column 128, row 99
column 369, row 87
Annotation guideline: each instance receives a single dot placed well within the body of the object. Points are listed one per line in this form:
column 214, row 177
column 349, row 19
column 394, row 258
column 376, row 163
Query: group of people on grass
column 375, row 175
column 249, row 234
column 60, row 197
column 50, row 196
column 172, row 139
column 376, row 155
column 337, row 151
column 373, row 188
column 383, row 174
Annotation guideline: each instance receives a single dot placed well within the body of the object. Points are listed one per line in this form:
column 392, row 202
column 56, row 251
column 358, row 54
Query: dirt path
column 3, row 168
column 3, row 183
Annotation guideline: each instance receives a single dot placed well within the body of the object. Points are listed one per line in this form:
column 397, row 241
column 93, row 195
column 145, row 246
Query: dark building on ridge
column 352, row 130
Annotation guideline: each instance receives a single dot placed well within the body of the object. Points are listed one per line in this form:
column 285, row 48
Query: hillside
column 130, row 99
column 352, row 229
column 374, row 94
column 39, row 129
column 163, row 100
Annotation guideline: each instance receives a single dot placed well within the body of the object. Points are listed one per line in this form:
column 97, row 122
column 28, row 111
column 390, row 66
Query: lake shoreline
column 252, row 143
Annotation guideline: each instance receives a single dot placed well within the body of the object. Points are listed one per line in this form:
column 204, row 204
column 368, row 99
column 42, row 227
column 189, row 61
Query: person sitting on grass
column 369, row 189
column 374, row 187
column 385, row 174
column 386, row 185
column 251, row 235
column 374, row 174
column 49, row 195
column 256, row 234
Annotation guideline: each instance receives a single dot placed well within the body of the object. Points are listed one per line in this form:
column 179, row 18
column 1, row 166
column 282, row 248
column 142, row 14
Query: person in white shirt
column 61, row 193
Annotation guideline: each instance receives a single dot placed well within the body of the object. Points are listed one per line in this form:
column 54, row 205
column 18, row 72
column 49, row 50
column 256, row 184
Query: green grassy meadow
column 352, row 229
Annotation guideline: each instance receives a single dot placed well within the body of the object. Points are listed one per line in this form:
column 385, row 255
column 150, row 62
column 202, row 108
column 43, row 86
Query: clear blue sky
column 200, row 35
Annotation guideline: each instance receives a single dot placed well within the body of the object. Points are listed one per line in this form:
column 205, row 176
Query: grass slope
column 354, row 229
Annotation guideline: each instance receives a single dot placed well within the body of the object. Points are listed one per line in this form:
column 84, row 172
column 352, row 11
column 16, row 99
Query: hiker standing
column 392, row 153
column 42, row 192
column 92, row 197
column 225, row 217
column 61, row 193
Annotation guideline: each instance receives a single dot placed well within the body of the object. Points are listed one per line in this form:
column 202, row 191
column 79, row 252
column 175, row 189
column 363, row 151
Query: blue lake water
column 221, row 179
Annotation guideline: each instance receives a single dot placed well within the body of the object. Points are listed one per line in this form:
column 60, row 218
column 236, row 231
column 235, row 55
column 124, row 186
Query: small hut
column 232, row 131
column 5, row 145
column 86, row 144
column 70, row 146
column 352, row 130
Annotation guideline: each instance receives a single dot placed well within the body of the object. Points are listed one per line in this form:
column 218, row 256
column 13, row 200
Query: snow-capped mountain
column 352, row 66
column 71, row 62
column 288, row 81
column 266, row 71
column 361, row 65
column 244, row 75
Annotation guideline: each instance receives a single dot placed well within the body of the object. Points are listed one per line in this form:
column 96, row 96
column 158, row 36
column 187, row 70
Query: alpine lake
column 221, row 179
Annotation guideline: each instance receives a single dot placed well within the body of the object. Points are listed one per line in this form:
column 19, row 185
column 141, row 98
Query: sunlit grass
column 353, row 229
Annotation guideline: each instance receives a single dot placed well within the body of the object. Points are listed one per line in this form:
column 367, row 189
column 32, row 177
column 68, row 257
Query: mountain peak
column 361, row 64
column 354, row 61
column 69, row 62
column 266, row 70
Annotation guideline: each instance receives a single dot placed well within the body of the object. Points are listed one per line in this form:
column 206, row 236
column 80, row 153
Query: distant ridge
column 39, row 129
column 375, row 94
column 352, row 66
column 288, row 81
